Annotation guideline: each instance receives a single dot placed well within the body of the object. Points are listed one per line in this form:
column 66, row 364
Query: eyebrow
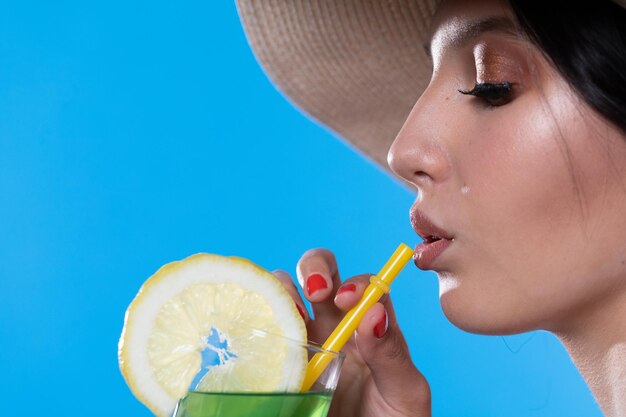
column 471, row 30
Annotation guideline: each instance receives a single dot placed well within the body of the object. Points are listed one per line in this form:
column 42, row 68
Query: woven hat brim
column 356, row 66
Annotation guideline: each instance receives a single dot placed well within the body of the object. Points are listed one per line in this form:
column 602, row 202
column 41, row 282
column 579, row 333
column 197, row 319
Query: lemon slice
column 211, row 323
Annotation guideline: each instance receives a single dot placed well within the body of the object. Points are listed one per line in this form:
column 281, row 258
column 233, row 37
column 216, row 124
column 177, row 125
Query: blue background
column 135, row 133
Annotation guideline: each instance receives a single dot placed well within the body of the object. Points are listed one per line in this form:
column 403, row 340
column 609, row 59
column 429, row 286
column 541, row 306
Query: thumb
column 384, row 350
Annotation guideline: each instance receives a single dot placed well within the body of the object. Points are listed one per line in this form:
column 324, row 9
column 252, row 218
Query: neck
column 596, row 342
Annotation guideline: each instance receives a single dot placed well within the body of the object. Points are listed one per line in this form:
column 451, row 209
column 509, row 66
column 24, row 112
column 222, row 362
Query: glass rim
column 322, row 349
column 308, row 344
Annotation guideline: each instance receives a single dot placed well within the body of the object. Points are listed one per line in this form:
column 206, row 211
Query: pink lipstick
column 436, row 240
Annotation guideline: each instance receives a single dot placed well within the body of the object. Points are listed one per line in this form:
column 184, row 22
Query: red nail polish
column 346, row 288
column 381, row 327
column 315, row 283
column 300, row 311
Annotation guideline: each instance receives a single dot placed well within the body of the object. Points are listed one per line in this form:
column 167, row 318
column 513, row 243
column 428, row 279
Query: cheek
column 521, row 230
column 543, row 221
column 517, row 170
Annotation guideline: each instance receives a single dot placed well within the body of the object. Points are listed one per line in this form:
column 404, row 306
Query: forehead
column 457, row 21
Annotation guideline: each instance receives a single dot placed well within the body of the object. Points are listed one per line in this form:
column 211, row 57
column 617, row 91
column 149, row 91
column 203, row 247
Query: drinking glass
column 284, row 402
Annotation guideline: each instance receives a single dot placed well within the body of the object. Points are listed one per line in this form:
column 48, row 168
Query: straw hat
column 356, row 66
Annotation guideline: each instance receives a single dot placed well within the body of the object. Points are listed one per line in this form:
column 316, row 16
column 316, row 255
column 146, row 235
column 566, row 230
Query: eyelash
column 493, row 94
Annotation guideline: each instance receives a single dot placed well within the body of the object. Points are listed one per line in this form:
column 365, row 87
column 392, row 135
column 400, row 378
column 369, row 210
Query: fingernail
column 346, row 288
column 315, row 283
column 300, row 311
column 381, row 327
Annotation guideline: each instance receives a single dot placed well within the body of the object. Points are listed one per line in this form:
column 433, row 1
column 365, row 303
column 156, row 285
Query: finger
column 289, row 285
column 351, row 291
column 319, row 277
column 384, row 350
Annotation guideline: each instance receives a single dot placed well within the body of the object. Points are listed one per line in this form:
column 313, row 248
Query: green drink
column 203, row 404
column 221, row 389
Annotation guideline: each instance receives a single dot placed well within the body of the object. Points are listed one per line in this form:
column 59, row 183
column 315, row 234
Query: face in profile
column 527, row 181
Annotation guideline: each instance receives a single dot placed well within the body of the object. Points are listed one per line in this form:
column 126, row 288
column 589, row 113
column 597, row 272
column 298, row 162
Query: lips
column 436, row 240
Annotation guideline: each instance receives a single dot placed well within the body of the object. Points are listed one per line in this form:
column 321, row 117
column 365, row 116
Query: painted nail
column 300, row 311
column 346, row 288
column 381, row 327
column 315, row 283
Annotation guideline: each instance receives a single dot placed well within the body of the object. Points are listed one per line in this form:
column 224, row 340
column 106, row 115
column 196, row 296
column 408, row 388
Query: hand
column 378, row 377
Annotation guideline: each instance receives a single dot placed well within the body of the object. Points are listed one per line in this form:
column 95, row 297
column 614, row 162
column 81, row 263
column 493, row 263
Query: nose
column 418, row 154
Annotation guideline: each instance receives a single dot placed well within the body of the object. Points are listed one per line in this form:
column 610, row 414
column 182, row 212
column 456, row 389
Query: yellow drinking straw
column 379, row 285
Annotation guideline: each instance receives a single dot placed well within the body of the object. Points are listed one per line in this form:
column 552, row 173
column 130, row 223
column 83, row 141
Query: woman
column 517, row 149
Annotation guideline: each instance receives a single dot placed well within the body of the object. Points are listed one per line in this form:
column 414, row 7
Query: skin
column 533, row 192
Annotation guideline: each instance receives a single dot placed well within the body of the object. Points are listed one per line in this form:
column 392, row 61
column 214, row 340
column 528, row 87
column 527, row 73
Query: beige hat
column 356, row 66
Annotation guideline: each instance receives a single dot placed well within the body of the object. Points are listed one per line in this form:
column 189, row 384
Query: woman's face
column 529, row 182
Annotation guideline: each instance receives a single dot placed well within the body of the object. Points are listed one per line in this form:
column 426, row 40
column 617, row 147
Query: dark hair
column 586, row 41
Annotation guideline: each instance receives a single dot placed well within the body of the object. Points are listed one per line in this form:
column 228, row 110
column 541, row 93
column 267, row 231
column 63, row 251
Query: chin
column 475, row 312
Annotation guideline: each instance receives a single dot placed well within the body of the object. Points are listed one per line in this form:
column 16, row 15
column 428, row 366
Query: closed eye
column 493, row 94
